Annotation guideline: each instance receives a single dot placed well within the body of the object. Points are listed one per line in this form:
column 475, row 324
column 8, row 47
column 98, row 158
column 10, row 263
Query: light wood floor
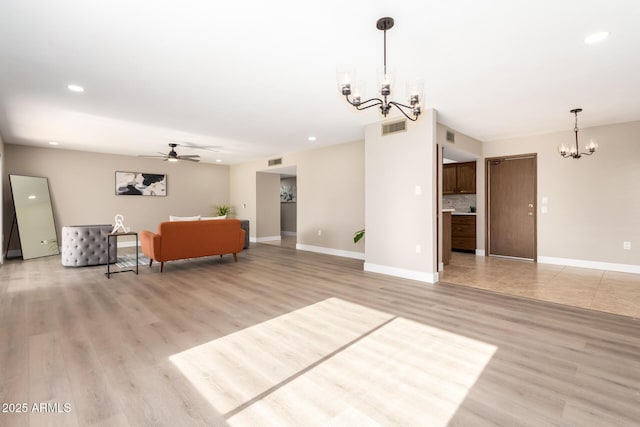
column 287, row 337
column 608, row 291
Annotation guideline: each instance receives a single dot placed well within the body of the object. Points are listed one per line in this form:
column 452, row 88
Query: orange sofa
column 192, row 239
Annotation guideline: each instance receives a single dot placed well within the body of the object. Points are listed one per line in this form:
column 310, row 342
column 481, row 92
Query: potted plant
column 221, row 210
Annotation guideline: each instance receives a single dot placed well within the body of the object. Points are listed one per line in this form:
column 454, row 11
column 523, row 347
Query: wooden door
column 511, row 188
column 466, row 178
column 449, row 178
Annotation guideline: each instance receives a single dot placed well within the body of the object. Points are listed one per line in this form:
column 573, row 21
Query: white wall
column 82, row 186
column 397, row 219
column 268, row 206
column 330, row 185
column 593, row 202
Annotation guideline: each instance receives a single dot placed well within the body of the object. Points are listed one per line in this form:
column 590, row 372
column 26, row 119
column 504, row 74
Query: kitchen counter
column 449, row 210
column 463, row 213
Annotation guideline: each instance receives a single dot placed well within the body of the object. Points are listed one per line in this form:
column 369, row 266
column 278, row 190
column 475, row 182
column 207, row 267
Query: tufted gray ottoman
column 86, row 245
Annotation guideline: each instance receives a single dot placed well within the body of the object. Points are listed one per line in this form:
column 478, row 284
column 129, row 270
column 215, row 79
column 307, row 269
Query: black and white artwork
column 287, row 193
column 140, row 184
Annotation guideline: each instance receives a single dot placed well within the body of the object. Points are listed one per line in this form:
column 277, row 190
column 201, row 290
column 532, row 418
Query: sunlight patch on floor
column 336, row 363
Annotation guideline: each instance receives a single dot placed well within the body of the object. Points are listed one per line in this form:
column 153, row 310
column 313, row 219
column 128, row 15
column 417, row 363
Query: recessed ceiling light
column 218, row 161
column 75, row 88
column 312, row 138
column 54, row 143
column 31, row 197
column 596, row 37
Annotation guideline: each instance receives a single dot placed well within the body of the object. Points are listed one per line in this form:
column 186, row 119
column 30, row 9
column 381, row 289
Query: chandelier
column 354, row 91
column 574, row 151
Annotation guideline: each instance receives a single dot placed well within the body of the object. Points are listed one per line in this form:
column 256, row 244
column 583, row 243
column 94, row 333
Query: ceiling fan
column 173, row 156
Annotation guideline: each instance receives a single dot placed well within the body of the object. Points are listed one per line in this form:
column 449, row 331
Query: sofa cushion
column 204, row 218
column 184, row 218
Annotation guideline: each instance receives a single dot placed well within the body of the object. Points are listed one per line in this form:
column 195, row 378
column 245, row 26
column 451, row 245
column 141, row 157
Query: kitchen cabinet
column 463, row 232
column 446, row 237
column 459, row 178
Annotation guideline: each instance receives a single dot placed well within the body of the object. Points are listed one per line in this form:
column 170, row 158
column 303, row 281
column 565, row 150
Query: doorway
column 511, row 206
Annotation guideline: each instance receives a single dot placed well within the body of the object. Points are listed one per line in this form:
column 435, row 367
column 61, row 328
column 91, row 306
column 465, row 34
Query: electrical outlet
column 626, row 246
column 418, row 249
column 319, row 232
column 418, row 190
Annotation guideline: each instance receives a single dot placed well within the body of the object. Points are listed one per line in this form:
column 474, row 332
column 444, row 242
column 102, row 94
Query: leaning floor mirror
column 34, row 215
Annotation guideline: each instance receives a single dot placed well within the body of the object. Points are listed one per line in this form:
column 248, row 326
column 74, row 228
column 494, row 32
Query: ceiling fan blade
column 188, row 159
column 214, row 148
column 152, row 157
column 184, row 156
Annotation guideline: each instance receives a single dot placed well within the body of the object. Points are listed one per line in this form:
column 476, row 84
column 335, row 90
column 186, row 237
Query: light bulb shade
column 592, row 146
column 385, row 81
column 345, row 77
column 563, row 149
column 358, row 93
column 415, row 92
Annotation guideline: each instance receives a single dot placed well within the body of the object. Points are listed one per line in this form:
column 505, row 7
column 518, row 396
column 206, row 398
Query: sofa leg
column 150, row 261
column 161, row 266
column 235, row 257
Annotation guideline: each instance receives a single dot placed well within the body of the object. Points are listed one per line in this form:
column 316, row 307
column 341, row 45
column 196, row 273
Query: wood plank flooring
column 285, row 337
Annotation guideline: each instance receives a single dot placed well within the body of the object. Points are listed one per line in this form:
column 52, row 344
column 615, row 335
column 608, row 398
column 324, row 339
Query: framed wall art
column 140, row 184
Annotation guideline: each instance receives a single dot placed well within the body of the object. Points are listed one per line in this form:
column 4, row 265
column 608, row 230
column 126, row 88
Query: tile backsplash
column 460, row 202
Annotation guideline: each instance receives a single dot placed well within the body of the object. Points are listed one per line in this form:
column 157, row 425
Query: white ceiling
column 257, row 78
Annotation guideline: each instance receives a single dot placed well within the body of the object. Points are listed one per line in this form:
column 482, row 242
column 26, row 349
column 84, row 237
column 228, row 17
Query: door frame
column 488, row 207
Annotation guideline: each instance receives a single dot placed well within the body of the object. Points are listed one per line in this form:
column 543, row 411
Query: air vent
column 388, row 128
column 451, row 137
column 274, row 162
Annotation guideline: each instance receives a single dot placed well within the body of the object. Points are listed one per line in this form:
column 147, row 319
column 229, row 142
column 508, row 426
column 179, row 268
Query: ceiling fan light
column 172, row 159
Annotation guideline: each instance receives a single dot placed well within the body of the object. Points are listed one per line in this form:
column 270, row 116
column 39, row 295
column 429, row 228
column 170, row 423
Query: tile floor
column 601, row 290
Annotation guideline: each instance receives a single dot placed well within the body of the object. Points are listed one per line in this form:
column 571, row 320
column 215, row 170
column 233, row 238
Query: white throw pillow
column 184, row 218
column 213, row 217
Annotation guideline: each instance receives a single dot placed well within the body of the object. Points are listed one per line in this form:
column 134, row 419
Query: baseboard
column 401, row 272
column 597, row 265
column 289, row 233
column 267, row 239
column 480, row 252
column 330, row 251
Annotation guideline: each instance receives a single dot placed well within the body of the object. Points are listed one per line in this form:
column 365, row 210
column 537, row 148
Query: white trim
column 267, row 239
column 330, row 251
column 440, row 266
column 480, row 252
column 252, row 239
column 401, row 272
column 289, row 233
column 609, row 266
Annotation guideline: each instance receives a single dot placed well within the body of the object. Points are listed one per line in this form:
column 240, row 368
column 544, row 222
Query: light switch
column 545, row 200
column 544, row 209
column 418, row 190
